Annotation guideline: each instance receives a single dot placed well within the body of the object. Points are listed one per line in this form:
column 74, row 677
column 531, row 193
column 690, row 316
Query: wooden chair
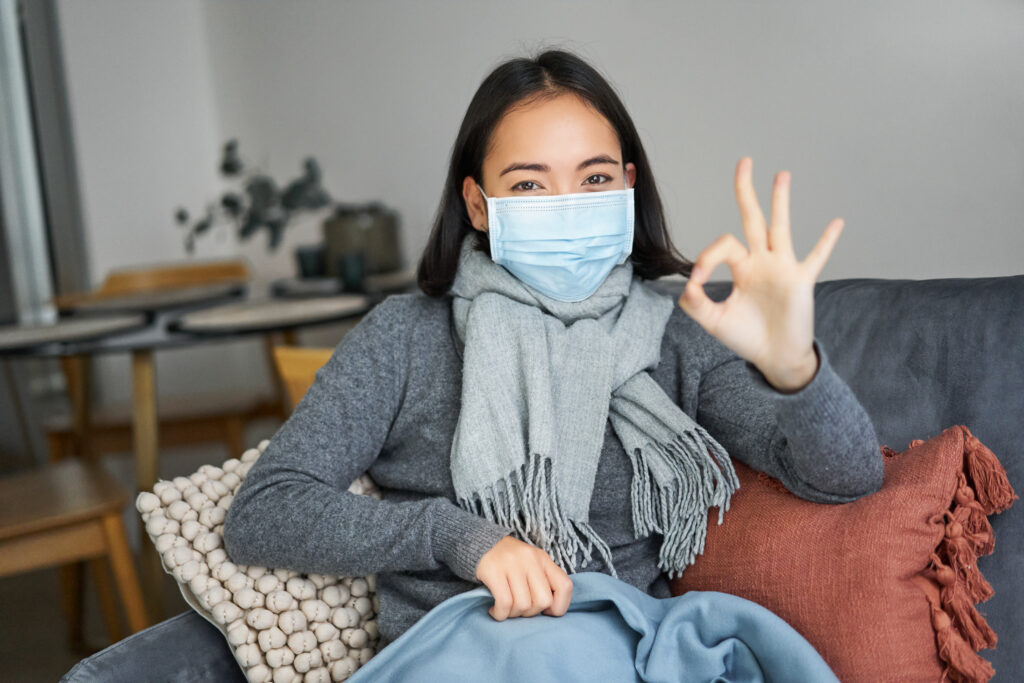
column 297, row 368
column 195, row 419
column 64, row 514
column 157, row 278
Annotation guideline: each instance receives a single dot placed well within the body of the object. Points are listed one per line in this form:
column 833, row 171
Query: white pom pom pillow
column 282, row 626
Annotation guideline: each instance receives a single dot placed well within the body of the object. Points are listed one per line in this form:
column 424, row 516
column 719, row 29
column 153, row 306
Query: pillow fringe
column 975, row 522
column 982, row 489
column 961, row 554
column 963, row 663
column 959, row 607
column 988, row 477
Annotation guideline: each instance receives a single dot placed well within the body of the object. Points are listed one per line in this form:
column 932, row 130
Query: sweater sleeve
column 293, row 509
column 819, row 441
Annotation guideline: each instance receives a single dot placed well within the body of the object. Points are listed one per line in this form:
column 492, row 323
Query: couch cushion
column 182, row 649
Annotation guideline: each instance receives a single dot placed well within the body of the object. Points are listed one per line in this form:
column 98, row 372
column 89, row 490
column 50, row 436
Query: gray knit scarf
column 541, row 378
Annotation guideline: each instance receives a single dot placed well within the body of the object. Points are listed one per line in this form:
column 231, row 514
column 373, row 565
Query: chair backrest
column 172, row 276
column 297, row 366
column 135, row 279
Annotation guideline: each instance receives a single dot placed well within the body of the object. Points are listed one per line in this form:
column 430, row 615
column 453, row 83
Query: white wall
column 903, row 118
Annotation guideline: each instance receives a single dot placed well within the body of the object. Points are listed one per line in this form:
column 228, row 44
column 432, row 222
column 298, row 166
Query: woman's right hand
column 524, row 580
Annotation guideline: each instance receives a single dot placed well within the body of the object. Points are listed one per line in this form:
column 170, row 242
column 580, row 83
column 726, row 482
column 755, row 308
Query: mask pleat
column 565, row 245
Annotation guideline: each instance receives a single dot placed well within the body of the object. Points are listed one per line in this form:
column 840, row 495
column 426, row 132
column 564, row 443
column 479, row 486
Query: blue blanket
column 611, row 632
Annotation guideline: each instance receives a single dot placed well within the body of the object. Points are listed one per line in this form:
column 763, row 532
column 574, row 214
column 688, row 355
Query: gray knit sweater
column 387, row 402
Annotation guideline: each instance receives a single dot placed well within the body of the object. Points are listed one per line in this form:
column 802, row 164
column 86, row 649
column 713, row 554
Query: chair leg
column 234, row 435
column 124, row 572
column 57, row 446
column 280, row 390
column 72, row 583
column 108, row 601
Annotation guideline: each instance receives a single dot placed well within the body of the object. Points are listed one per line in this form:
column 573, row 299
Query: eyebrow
column 544, row 168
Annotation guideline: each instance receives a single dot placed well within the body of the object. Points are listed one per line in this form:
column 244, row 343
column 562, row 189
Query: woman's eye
column 599, row 176
column 519, row 186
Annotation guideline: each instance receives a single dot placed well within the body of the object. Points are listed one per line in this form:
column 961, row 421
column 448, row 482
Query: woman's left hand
column 768, row 318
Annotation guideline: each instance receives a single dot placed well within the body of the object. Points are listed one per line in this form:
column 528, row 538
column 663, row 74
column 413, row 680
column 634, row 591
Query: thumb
column 695, row 302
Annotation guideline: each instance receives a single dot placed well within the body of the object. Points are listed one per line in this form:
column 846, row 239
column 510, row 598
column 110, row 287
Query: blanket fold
column 612, row 632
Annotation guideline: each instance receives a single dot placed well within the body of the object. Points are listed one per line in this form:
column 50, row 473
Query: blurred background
column 119, row 117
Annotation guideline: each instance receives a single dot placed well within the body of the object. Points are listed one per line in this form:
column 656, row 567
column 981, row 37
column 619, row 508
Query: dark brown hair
column 514, row 82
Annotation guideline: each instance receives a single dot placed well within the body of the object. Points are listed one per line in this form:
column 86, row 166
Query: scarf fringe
column 529, row 489
column 703, row 477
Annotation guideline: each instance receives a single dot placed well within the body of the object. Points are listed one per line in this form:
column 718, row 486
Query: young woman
column 538, row 409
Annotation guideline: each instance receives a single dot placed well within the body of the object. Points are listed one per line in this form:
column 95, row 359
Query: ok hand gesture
column 768, row 318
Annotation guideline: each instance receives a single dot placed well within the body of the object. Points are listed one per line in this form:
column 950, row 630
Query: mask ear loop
column 486, row 198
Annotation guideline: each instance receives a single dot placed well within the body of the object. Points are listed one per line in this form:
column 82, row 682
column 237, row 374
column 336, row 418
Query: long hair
column 516, row 81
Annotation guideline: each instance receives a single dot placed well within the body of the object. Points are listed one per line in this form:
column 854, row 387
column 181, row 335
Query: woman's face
column 550, row 146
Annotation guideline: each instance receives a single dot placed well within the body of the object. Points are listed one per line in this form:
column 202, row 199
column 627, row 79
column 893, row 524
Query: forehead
column 551, row 130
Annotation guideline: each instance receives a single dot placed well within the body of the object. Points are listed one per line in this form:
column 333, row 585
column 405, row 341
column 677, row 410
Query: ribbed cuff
column 462, row 538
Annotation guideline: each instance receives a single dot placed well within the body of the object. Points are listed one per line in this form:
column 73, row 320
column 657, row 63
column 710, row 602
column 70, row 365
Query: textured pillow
column 282, row 626
column 883, row 586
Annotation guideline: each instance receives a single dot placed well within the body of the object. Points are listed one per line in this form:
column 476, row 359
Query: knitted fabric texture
column 541, row 378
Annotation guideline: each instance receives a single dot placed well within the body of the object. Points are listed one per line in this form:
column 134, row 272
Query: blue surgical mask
column 565, row 245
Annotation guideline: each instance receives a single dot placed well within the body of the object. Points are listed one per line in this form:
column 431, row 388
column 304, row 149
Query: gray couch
column 921, row 355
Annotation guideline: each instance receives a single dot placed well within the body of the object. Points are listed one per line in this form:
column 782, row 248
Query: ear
column 630, row 174
column 476, row 207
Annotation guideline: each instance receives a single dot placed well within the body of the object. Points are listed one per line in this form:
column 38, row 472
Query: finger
column 502, row 593
column 750, row 211
column 819, row 255
column 540, row 590
column 562, row 585
column 694, row 300
column 522, row 599
column 779, row 234
column 727, row 249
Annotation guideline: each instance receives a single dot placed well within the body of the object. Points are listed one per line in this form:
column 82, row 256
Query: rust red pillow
column 884, row 584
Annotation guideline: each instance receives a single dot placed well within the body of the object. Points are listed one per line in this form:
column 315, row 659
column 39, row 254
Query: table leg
column 78, row 375
column 146, row 442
